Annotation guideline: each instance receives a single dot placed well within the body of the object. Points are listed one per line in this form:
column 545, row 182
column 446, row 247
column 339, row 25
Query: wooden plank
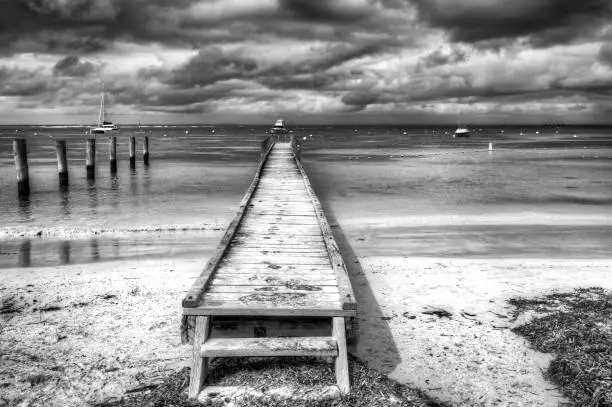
column 263, row 347
column 272, row 298
column 272, row 280
column 341, row 364
column 274, row 261
column 195, row 293
column 239, row 395
column 292, row 289
column 199, row 364
column 328, row 309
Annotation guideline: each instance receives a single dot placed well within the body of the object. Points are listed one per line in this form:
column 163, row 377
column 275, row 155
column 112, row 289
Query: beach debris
column 408, row 315
column 439, row 312
column 9, row 305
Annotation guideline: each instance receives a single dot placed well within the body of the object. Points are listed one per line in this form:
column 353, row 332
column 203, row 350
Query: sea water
column 390, row 190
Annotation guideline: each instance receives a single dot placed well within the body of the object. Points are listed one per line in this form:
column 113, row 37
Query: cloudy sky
column 310, row 61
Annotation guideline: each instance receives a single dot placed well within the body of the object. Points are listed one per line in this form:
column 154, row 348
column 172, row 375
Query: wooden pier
column 277, row 284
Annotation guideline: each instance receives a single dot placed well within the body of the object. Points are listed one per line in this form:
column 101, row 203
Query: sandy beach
column 91, row 332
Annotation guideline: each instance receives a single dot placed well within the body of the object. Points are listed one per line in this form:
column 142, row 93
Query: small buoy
column 490, row 146
column 405, row 133
column 213, row 130
column 501, row 131
column 575, row 136
column 36, row 134
column 537, row 132
column 165, row 135
column 310, row 135
column 522, row 134
column 186, row 131
column 304, row 138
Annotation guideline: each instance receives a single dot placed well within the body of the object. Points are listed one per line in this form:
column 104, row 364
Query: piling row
column 21, row 160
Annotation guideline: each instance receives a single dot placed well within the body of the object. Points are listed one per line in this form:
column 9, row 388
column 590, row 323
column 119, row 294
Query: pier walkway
column 277, row 284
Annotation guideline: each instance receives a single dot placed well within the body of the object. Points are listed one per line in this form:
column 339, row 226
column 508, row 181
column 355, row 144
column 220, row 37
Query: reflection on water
column 64, row 252
column 52, row 253
column 25, row 208
column 24, row 258
column 95, row 250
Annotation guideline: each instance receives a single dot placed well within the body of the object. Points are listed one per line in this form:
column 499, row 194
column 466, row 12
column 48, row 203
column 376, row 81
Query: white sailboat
column 104, row 126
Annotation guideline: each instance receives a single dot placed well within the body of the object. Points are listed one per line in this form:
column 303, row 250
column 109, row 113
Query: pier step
column 236, row 394
column 298, row 346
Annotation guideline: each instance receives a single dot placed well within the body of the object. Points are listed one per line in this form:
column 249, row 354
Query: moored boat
column 104, row 126
column 462, row 131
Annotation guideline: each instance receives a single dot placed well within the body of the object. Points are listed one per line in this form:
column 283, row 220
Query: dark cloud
column 211, row 65
column 24, row 83
column 325, row 10
column 544, row 22
column 72, row 66
column 359, row 99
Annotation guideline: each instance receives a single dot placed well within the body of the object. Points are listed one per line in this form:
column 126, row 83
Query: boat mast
column 101, row 116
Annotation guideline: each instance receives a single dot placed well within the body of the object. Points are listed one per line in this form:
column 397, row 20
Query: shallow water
column 421, row 193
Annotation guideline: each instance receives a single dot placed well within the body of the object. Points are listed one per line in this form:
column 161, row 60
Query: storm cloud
column 543, row 22
column 307, row 57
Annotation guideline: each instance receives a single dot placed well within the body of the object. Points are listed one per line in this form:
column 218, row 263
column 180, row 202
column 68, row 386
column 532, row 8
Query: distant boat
column 104, row 126
column 279, row 127
column 462, row 131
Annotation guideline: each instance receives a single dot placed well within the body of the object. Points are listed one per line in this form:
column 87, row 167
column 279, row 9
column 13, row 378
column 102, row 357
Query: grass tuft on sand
column 577, row 328
column 368, row 387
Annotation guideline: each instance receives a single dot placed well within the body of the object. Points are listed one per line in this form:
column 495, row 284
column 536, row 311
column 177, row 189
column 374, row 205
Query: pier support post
column 112, row 150
column 145, row 150
column 62, row 163
column 132, row 152
column 21, row 165
column 90, row 158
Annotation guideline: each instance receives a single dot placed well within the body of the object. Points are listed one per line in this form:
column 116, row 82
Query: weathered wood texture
column 21, row 166
column 274, row 258
column 278, row 256
column 302, row 346
column 199, row 364
column 132, row 152
column 112, row 153
column 145, row 150
column 90, row 158
column 192, row 299
column 62, row 162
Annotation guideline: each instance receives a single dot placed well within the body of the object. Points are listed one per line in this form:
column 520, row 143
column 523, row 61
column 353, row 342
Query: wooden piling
column 112, row 147
column 62, row 162
column 90, row 158
column 132, row 152
column 145, row 150
column 21, row 165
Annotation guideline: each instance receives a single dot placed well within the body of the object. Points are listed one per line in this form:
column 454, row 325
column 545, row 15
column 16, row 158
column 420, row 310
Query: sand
column 91, row 332
column 471, row 357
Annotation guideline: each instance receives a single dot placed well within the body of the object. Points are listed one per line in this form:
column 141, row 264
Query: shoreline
column 94, row 324
column 41, row 231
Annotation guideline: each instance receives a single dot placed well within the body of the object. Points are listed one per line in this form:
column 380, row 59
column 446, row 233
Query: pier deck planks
column 277, row 261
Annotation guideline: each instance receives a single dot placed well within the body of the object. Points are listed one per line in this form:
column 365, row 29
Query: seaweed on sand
column 368, row 387
column 577, row 328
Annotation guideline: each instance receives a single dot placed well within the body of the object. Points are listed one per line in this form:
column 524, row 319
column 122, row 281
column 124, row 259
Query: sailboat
column 104, row 125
